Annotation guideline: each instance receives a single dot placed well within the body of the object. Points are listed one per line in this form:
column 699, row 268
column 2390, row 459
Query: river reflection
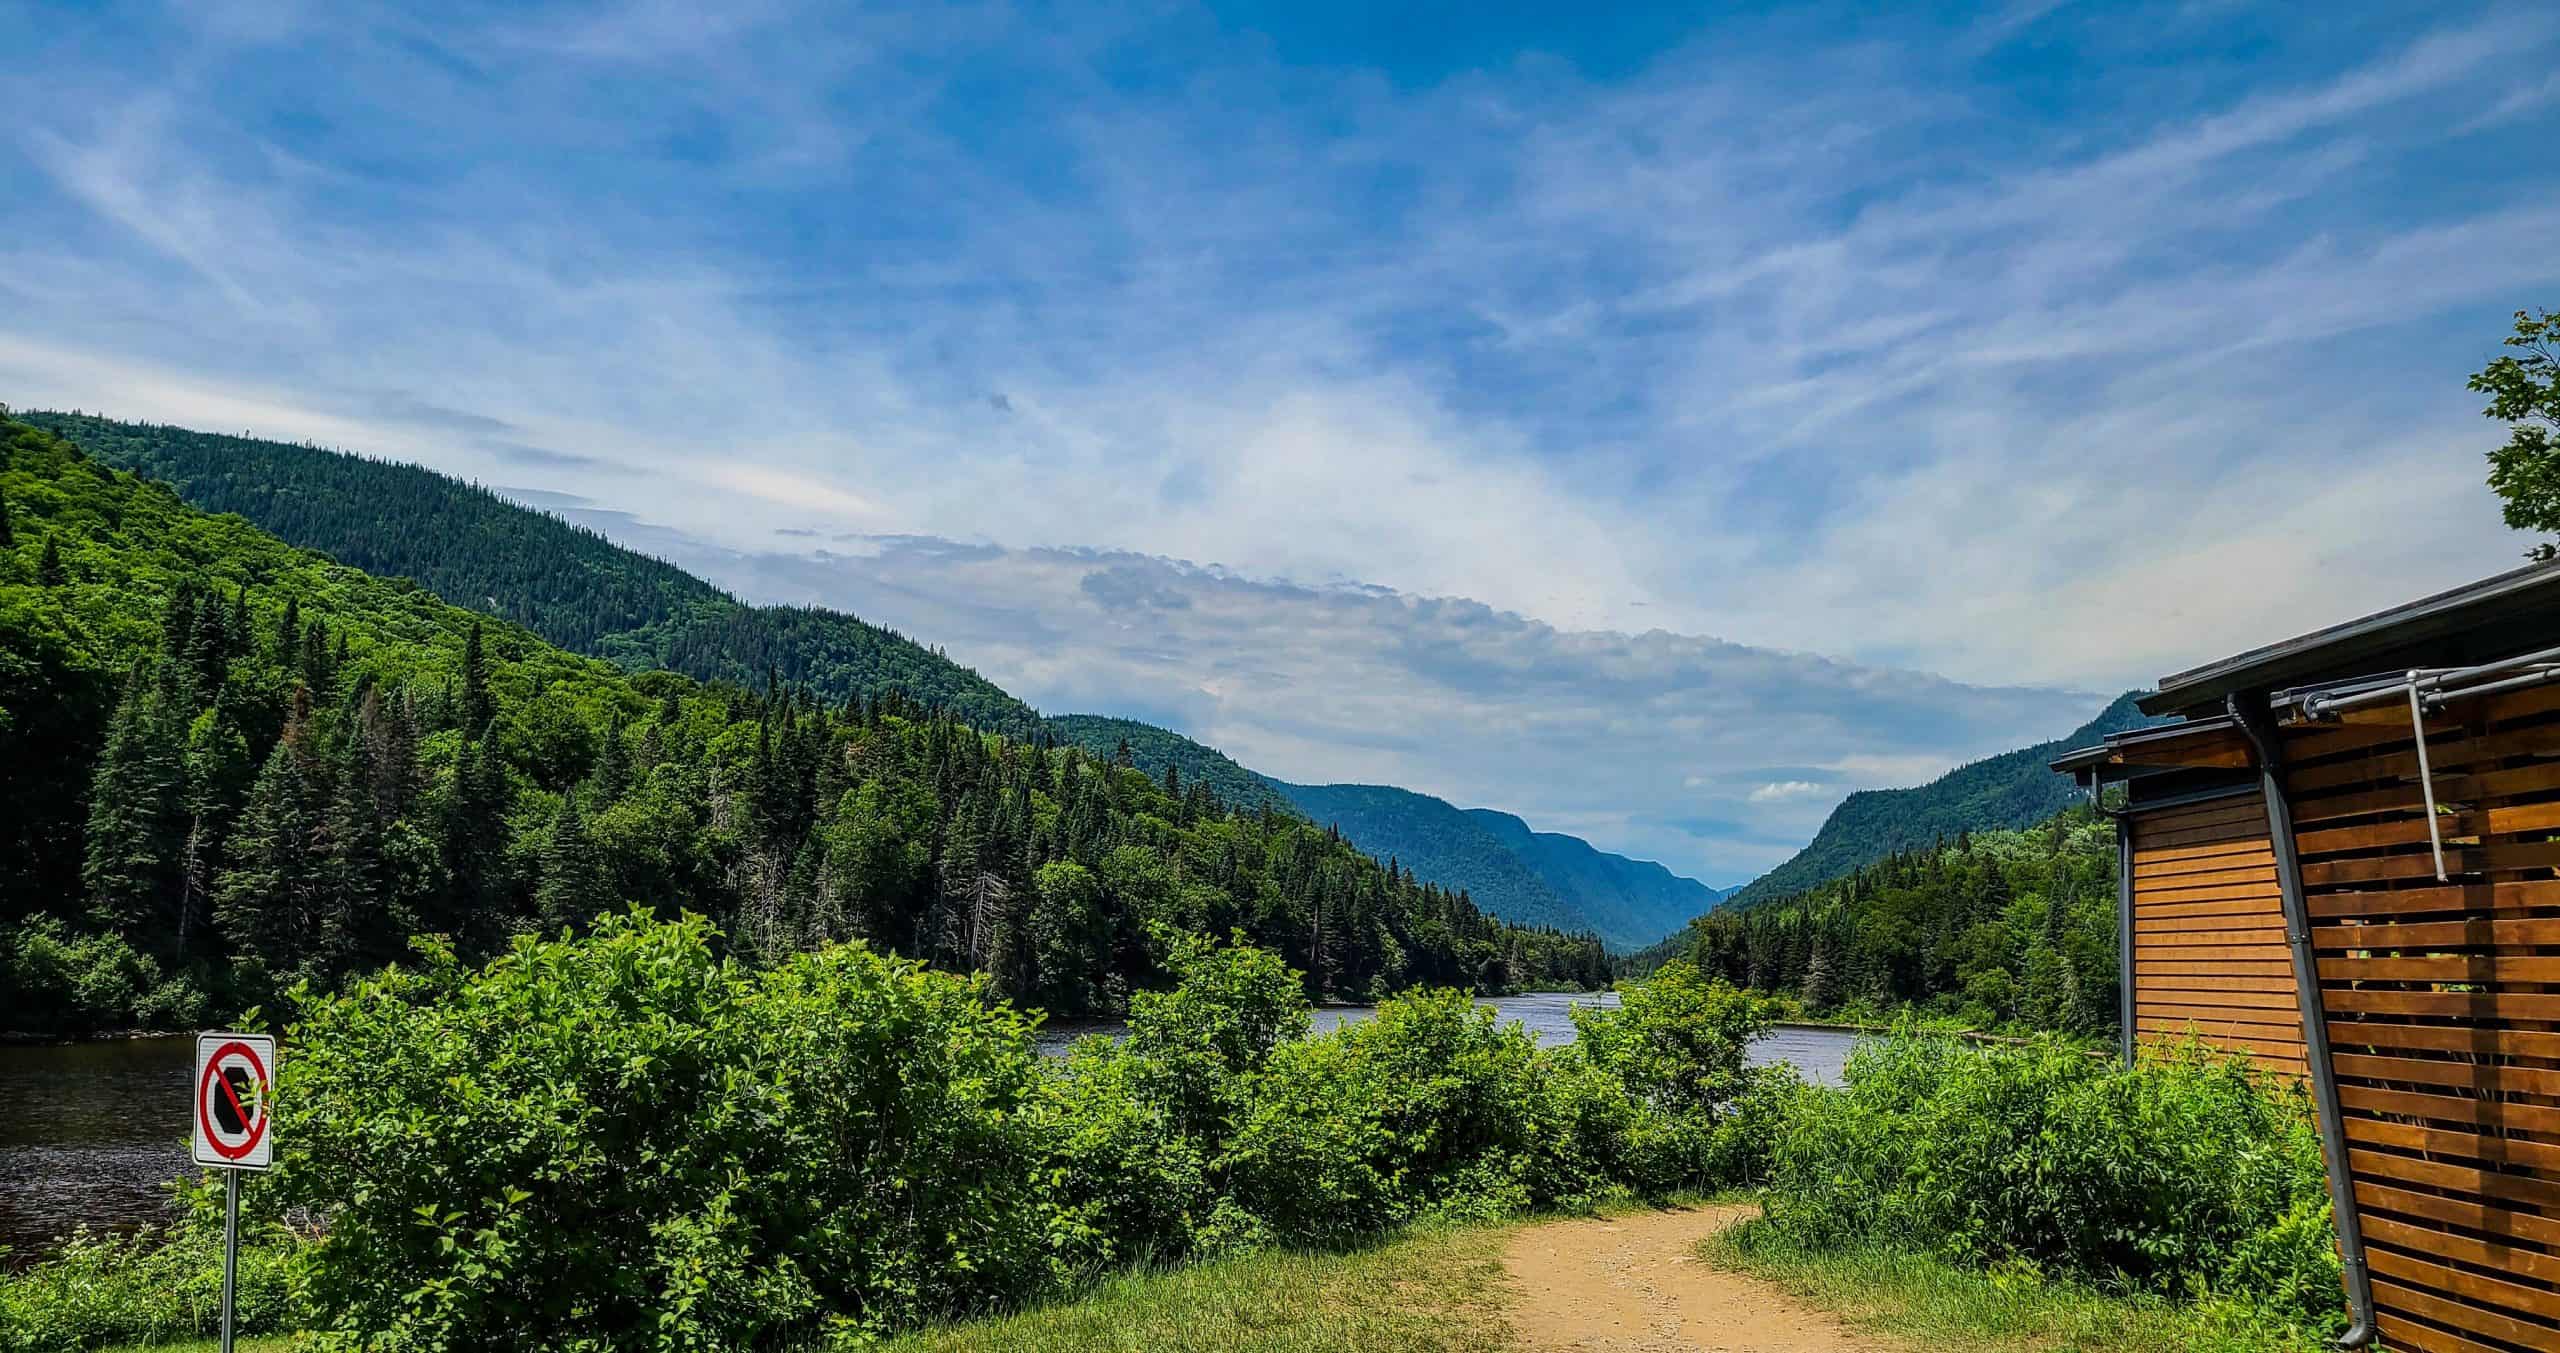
column 93, row 1132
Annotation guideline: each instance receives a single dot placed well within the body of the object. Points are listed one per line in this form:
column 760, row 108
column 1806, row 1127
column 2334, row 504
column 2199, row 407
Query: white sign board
column 234, row 1082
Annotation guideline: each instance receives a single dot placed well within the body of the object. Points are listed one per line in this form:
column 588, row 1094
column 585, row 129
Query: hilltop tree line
column 234, row 765
column 560, row 580
column 2000, row 929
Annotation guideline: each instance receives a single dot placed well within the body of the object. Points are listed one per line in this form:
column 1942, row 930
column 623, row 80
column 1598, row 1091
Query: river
column 93, row 1132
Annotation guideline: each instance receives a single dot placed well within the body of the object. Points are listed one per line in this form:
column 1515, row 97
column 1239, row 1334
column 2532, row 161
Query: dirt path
column 1635, row 1285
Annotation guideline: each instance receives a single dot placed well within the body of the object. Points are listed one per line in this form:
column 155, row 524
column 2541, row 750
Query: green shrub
column 1197, row 1042
column 1677, row 1048
column 627, row 1142
column 1123, row 1181
column 1428, row 1105
column 2181, row 1173
column 53, row 981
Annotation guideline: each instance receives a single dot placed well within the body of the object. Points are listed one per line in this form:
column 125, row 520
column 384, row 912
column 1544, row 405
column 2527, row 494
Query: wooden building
column 2343, row 859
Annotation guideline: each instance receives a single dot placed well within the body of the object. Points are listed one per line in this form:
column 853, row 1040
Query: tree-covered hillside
column 564, row 582
column 229, row 764
column 1159, row 750
column 2013, row 789
column 1996, row 929
column 1631, row 903
column 1440, row 842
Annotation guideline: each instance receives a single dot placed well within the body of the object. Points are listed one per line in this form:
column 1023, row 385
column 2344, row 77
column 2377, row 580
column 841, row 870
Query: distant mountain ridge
column 481, row 550
column 2005, row 792
column 1509, row 869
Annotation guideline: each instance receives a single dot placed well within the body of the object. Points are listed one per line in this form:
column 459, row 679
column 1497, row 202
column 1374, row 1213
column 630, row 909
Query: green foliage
column 2012, row 790
column 249, row 763
column 111, row 1289
column 1157, row 750
column 2006, row 929
column 1676, row 1048
column 2181, row 1174
column 53, row 982
column 2524, row 392
column 588, row 1140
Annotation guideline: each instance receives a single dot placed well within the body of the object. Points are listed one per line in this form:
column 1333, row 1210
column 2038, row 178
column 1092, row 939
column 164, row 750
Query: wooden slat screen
column 2209, row 956
column 2443, row 1009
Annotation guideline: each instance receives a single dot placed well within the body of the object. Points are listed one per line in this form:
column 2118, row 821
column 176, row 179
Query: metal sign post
column 233, row 1131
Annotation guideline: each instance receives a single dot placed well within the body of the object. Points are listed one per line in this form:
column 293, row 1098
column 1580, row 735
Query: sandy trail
column 1635, row 1285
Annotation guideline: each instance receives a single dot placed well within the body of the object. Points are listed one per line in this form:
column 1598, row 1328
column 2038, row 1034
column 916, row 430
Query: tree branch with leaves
column 2524, row 392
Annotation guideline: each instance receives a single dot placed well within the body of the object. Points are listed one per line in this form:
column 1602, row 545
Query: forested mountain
column 1440, row 842
column 2013, row 789
column 563, row 582
column 583, row 592
column 1159, row 750
column 228, row 764
column 1630, row 903
column 1995, row 929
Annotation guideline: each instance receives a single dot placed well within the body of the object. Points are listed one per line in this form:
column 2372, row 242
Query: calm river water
column 94, row 1131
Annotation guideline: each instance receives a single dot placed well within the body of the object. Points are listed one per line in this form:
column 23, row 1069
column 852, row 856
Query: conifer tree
column 476, row 705
column 130, row 867
column 49, row 570
column 572, row 890
column 7, row 537
column 268, row 904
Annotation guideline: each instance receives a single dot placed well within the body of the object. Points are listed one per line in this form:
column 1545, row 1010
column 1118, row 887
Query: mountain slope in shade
column 1522, row 875
column 2008, row 791
column 1441, row 844
column 1630, row 903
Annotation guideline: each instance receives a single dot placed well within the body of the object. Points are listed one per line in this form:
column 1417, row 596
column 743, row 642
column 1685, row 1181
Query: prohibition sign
column 232, row 1090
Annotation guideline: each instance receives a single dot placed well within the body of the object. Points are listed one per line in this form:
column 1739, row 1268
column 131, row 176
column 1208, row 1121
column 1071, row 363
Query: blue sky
column 1654, row 422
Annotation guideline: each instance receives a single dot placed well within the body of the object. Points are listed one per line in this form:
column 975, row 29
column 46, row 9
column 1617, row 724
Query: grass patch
column 1926, row 1301
column 244, row 1344
column 1431, row 1290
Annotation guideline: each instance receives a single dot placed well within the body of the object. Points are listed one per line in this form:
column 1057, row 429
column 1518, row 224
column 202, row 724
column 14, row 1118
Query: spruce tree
column 476, row 704
column 131, row 865
column 49, row 570
column 268, row 904
column 572, row 888
column 7, row 537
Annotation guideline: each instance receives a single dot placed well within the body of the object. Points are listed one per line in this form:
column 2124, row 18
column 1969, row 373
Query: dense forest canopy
column 1998, row 929
column 232, row 764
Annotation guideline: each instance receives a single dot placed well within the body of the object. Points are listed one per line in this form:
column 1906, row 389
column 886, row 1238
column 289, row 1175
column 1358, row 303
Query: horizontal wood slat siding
column 2442, row 1001
column 2209, row 957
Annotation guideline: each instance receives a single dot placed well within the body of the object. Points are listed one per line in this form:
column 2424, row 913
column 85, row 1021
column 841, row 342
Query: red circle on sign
column 213, row 1073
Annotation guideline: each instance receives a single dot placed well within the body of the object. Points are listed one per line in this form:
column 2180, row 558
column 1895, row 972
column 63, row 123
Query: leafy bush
column 626, row 1142
column 1430, row 1105
column 1123, row 1180
column 2179, row 1173
column 1677, row 1046
column 53, row 981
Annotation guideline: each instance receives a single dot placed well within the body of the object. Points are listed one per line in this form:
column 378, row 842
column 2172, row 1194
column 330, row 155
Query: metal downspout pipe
column 2124, row 929
column 2252, row 717
column 2124, row 912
